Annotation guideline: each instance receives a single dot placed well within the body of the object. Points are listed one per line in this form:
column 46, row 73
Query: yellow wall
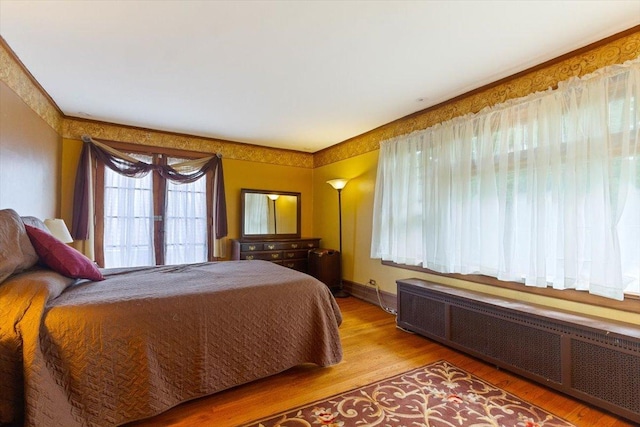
column 240, row 174
column 357, row 204
column 286, row 208
column 29, row 159
column 70, row 156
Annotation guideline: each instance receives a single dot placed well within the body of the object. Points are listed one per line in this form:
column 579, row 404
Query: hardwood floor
column 374, row 349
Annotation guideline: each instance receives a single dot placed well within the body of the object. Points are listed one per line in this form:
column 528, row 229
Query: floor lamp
column 339, row 184
column 273, row 198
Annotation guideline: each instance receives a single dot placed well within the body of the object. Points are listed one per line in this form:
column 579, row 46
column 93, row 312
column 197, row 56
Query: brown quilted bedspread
column 146, row 339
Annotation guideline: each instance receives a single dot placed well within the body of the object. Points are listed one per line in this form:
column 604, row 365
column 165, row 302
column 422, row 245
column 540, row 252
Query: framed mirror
column 268, row 214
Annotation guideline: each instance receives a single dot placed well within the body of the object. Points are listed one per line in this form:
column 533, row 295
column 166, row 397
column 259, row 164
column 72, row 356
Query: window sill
column 630, row 303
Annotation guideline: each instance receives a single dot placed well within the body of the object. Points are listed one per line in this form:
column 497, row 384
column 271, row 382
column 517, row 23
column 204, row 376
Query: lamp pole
column 339, row 184
column 273, row 198
column 340, row 222
column 275, row 218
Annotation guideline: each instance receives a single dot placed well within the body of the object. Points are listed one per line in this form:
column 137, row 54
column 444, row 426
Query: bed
column 78, row 352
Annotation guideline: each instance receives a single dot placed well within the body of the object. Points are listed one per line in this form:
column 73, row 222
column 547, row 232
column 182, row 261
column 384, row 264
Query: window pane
column 128, row 219
column 186, row 221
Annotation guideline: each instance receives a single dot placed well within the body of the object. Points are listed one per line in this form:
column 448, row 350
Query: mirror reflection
column 270, row 213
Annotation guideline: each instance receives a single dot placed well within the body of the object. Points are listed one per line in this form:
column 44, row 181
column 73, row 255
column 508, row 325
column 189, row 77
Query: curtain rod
column 87, row 138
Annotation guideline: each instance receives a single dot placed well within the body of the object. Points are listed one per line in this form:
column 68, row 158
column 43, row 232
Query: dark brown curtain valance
column 124, row 164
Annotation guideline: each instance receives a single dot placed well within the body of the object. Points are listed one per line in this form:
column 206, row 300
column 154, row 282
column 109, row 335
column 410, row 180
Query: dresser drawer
column 310, row 244
column 300, row 244
column 267, row 256
column 290, row 255
column 251, row 247
column 297, row 264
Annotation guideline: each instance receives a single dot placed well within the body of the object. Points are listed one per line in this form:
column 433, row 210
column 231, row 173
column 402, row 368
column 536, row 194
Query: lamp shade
column 273, row 197
column 58, row 229
column 338, row 184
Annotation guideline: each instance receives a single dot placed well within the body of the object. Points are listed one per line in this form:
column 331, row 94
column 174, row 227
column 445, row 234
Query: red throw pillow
column 62, row 258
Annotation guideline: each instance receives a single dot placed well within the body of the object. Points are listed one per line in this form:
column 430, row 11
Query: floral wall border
column 74, row 128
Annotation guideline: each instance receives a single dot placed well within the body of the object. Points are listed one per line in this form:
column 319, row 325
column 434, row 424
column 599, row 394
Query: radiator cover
column 592, row 359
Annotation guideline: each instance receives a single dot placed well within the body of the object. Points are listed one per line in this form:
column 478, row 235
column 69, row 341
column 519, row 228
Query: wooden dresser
column 292, row 253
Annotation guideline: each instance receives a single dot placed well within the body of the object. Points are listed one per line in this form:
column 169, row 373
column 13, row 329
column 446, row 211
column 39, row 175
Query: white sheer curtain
column 185, row 221
column 256, row 219
column 544, row 190
column 128, row 219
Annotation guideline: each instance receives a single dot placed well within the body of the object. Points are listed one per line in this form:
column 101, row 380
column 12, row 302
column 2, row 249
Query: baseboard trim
column 368, row 294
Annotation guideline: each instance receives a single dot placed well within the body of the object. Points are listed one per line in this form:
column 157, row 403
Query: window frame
column 160, row 155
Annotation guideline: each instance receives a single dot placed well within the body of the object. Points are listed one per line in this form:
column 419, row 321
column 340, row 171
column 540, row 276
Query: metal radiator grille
column 531, row 349
column 424, row 314
column 507, row 315
column 598, row 337
column 606, row 374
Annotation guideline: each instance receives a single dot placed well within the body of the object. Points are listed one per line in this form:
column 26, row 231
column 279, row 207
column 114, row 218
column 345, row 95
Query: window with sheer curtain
column 256, row 214
column 130, row 238
column 128, row 219
column 185, row 221
column 543, row 190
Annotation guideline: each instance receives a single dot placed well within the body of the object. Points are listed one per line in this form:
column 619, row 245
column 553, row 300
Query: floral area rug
column 439, row 394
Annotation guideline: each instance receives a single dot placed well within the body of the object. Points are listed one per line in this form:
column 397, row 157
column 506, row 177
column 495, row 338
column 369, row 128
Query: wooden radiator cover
column 590, row 358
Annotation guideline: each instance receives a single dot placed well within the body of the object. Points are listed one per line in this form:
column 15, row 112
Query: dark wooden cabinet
column 324, row 265
column 292, row 253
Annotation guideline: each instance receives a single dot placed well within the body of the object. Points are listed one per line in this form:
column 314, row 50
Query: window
column 185, row 221
column 543, row 190
column 128, row 219
column 150, row 220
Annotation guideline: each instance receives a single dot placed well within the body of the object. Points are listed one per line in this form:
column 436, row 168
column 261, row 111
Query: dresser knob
column 271, row 246
column 294, row 245
column 291, row 254
column 275, row 256
column 290, row 265
column 249, row 257
column 252, row 248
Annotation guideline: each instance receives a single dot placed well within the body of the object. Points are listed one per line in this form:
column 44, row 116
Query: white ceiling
column 302, row 75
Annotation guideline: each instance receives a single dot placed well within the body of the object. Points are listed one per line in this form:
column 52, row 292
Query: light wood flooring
column 374, row 349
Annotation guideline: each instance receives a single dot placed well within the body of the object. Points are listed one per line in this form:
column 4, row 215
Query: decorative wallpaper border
column 617, row 51
column 74, row 129
column 14, row 75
